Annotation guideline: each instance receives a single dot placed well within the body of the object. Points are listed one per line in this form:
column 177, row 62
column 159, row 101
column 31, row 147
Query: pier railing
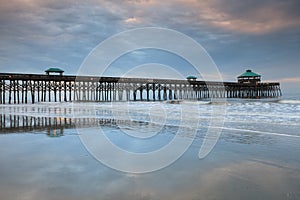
column 32, row 88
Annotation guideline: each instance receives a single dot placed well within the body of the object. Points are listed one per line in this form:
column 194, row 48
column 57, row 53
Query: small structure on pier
column 249, row 77
column 54, row 70
column 191, row 78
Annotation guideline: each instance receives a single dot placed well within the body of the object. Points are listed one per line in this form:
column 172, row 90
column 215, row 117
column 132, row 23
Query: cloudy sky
column 263, row 35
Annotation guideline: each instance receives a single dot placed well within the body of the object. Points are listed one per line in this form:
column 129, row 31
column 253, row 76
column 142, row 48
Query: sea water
column 256, row 155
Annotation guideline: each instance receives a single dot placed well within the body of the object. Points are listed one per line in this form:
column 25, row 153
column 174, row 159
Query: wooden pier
column 32, row 88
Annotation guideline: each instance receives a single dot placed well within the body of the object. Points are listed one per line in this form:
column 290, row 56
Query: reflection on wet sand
column 54, row 120
column 17, row 123
column 62, row 169
column 55, row 126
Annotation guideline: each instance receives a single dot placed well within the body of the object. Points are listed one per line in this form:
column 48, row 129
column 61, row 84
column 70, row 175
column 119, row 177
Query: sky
column 262, row 35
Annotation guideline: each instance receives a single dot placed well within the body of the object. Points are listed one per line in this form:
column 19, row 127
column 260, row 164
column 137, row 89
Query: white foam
column 262, row 132
column 290, row 101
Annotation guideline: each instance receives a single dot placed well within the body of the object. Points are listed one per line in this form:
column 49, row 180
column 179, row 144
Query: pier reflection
column 54, row 126
column 54, row 120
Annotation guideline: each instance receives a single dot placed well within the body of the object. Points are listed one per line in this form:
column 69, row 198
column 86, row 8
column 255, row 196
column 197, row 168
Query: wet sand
column 36, row 166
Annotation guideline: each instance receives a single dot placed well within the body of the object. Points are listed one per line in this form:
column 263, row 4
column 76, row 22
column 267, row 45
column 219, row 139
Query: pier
column 32, row 88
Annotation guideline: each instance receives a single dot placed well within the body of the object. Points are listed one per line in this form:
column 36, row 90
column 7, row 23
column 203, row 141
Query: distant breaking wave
column 290, row 101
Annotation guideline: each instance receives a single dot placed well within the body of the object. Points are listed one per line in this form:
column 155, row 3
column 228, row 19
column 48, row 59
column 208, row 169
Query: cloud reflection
column 62, row 169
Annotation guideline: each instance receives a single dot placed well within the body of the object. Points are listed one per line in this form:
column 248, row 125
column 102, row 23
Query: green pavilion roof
column 191, row 77
column 54, row 70
column 249, row 73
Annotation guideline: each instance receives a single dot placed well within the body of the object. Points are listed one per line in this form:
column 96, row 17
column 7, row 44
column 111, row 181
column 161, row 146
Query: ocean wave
column 261, row 132
column 187, row 111
column 290, row 101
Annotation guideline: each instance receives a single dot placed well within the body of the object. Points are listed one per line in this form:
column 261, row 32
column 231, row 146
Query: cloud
column 132, row 20
column 51, row 33
column 254, row 17
column 36, row 34
column 288, row 80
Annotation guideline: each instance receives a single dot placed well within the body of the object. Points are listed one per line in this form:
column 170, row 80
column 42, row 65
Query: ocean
column 238, row 149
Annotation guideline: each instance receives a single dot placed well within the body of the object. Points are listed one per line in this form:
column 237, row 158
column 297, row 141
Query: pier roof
column 57, row 70
column 191, row 77
column 249, row 73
